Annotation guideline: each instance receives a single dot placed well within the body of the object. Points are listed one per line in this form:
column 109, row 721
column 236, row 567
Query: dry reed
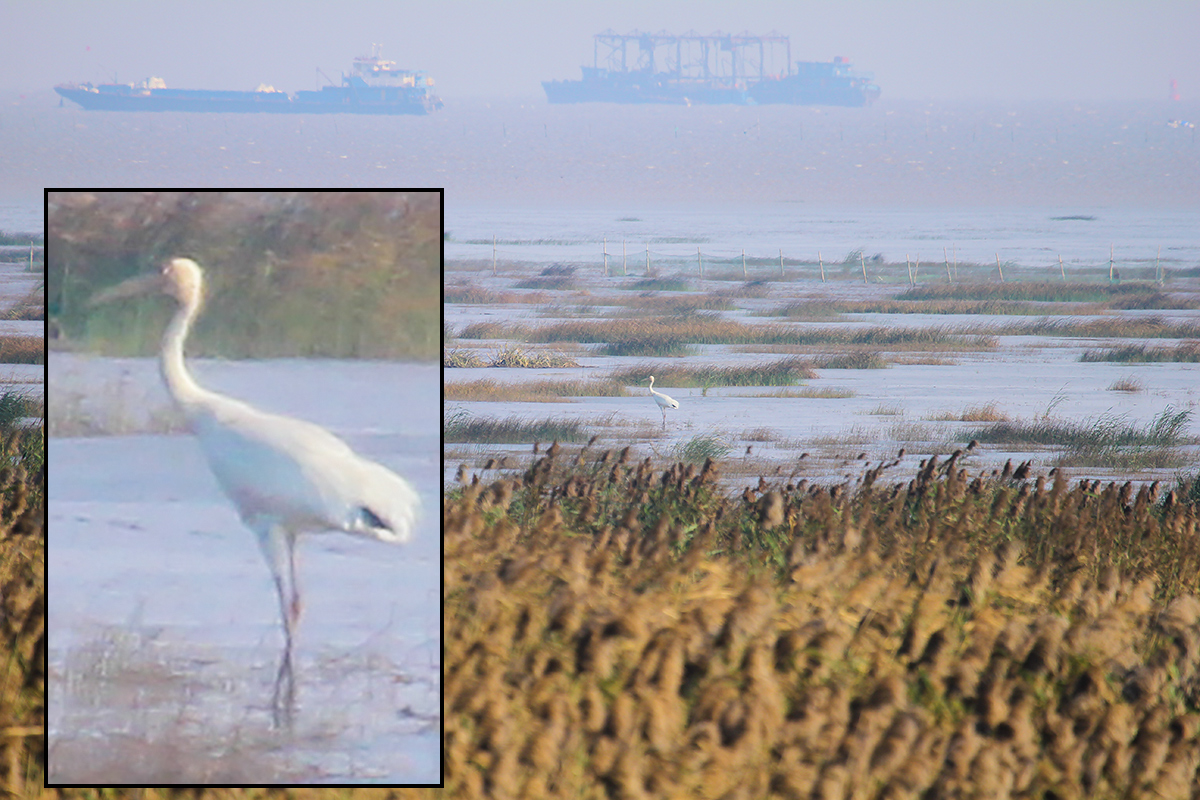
column 620, row 631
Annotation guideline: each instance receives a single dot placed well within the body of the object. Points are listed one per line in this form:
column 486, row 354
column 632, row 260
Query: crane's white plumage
column 663, row 401
column 285, row 476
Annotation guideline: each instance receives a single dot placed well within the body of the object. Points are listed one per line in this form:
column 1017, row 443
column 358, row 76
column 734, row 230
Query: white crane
column 663, row 401
column 285, row 476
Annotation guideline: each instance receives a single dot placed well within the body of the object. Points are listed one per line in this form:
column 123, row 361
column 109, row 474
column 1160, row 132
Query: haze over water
column 885, row 178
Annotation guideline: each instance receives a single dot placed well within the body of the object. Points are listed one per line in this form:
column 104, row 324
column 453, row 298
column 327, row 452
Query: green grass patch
column 699, row 448
column 860, row 360
column 1137, row 354
column 20, row 239
column 785, row 372
column 1038, row 291
column 1107, row 441
column 460, row 426
column 1116, row 328
column 15, row 405
column 664, row 284
column 713, row 329
column 815, row 309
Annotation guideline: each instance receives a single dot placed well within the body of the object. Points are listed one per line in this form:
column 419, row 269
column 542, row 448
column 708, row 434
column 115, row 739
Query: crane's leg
column 279, row 549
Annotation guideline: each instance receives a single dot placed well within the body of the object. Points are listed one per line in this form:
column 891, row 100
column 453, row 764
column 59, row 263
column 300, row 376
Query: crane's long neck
column 180, row 383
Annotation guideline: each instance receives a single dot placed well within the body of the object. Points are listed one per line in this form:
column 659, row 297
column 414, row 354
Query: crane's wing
column 300, row 474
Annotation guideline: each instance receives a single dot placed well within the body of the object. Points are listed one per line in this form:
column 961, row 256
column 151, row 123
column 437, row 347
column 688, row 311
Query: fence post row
column 949, row 259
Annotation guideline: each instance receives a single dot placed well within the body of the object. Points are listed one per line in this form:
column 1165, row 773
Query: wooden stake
column 863, row 264
column 822, row 263
column 1110, row 261
column 781, row 263
column 998, row 268
column 605, row 240
column 647, row 262
column 916, row 269
column 946, row 258
column 743, row 263
column 908, row 264
column 1061, row 271
column 700, row 261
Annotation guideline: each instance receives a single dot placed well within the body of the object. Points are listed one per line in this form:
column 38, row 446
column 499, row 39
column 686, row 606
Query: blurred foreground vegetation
column 614, row 630
column 22, row 603
column 321, row 274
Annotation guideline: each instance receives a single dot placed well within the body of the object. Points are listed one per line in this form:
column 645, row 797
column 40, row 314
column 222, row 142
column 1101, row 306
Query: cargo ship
column 375, row 86
column 690, row 68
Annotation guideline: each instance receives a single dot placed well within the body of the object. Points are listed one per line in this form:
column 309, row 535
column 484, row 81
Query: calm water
column 893, row 178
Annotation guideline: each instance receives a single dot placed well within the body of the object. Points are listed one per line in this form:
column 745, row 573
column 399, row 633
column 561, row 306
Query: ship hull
column 338, row 101
column 785, row 91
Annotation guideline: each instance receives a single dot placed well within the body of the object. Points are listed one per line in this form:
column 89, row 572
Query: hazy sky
column 1010, row 50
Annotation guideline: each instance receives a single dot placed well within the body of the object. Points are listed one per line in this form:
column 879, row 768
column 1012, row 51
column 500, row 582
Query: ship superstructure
column 717, row 68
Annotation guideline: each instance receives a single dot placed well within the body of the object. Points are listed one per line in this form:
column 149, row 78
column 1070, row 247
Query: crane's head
column 180, row 278
column 184, row 281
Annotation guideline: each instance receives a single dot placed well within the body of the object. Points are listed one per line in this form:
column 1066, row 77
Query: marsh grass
column 699, row 448
column 1188, row 352
column 462, row 358
column 814, row 393
column 1110, row 440
column 545, row 391
column 887, row 410
column 703, row 329
column 22, row 350
column 516, row 357
column 31, row 307
column 863, row 359
column 460, row 426
column 22, row 605
column 784, row 372
column 820, row 309
column 15, row 404
column 618, row 630
column 1130, row 385
column 1031, row 291
column 984, row 413
column 470, row 293
column 913, row 431
column 492, row 330
column 676, row 306
column 663, row 284
column 555, row 278
column 1154, row 327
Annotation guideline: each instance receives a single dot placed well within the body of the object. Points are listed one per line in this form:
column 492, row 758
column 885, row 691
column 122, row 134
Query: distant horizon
column 923, row 50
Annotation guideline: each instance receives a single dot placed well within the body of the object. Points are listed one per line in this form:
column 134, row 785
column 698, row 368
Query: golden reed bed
column 616, row 631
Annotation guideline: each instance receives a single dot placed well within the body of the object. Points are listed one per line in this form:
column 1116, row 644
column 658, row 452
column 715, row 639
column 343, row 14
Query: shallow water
column 163, row 621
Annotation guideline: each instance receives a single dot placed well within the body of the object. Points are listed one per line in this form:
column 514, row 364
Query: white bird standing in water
column 663, row 401
column 285, row 476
